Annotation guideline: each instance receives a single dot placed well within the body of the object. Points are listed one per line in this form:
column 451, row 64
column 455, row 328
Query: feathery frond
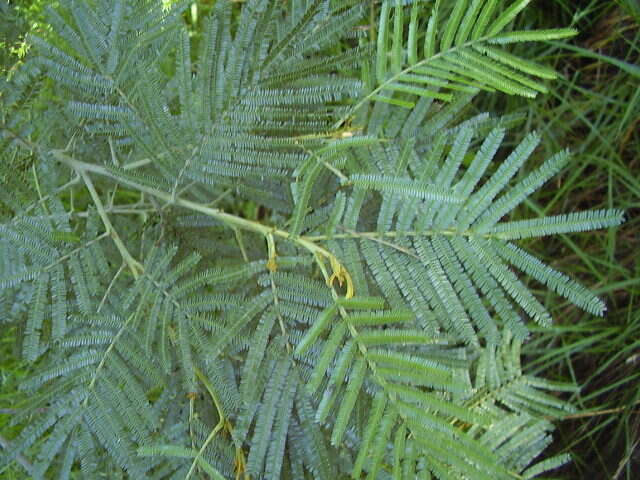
column 221, row 265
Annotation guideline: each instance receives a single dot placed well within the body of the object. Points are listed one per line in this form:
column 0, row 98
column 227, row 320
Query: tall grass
column 594, row 110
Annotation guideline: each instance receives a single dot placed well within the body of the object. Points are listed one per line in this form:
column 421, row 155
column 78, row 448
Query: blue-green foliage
column 277, row 250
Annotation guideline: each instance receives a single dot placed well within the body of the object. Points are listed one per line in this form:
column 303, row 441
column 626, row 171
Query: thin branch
column 111, row 284
column 103, row 360
column 222, row 421
column 74, row 251
column 134, row 265
column 224, row 217
column 350, row 234
column 608, row 411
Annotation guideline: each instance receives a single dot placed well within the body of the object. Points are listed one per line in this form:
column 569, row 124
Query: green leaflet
column 448, row 61
column 313, row 333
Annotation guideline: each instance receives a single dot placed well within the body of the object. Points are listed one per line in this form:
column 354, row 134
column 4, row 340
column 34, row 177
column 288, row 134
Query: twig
column 134, row 265
column 607, row 411
column 231, row 220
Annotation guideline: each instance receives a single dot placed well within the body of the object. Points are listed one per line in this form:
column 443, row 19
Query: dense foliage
column 278, row 249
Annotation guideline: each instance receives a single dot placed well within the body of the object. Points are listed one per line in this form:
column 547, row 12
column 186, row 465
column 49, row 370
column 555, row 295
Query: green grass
column 12, row 371
column 594, row 110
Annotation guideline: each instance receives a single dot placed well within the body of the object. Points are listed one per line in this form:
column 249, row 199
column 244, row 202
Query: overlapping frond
column 221, row 266
column 417, row 387
column 249, row 124
column 457, row 49
column 269, row 410
column 449, row 261
column 121, row 350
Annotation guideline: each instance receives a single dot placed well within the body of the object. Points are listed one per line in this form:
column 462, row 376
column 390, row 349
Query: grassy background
column 594, row 110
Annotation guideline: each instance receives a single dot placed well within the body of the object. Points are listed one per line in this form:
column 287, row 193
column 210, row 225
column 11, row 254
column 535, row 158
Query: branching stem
column 132, row 263
column 231, row 220
column 220, row 425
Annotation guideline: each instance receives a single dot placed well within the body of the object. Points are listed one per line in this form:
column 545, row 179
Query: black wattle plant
column 280, row 248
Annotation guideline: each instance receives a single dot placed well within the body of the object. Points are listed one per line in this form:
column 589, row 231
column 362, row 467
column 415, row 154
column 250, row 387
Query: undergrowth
column 594, row 109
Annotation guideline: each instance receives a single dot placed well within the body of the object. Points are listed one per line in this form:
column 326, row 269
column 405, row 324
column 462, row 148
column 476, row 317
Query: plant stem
column 103, row 360
column 133, row 264
column 233, row 221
